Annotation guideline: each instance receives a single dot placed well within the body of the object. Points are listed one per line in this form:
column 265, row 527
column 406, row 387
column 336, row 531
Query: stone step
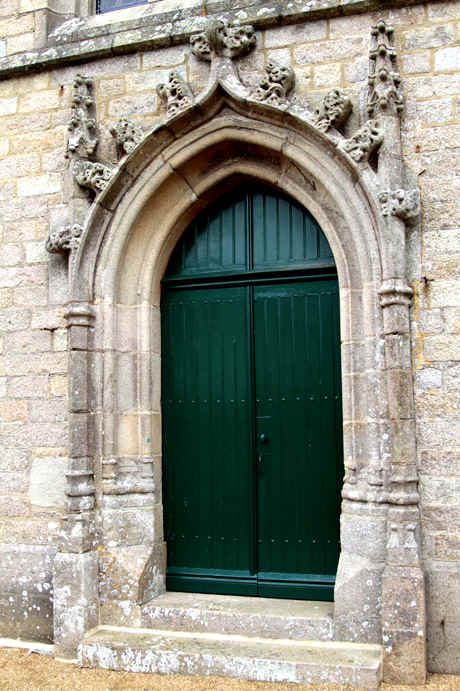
column 241, row 657
column 248, row 616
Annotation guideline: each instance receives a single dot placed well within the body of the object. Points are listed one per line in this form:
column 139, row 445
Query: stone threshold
column 149, row 31
column 249, row 616
column 237, row 656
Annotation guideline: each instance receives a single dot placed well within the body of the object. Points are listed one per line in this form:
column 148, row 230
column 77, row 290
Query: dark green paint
column 251, row 403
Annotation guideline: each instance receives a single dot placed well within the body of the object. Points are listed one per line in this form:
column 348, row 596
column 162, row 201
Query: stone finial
column 385, row 93
column 277, row 82
column 364, row 142
column 127, row 136
column 91, row 174
column 82, row 126
column 175, row 93
column 223, row 38
column 402, row 203
column 333, row 111
column 64, row 240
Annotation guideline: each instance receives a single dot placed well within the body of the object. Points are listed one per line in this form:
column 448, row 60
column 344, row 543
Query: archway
column 251, row 401
column 114, row 325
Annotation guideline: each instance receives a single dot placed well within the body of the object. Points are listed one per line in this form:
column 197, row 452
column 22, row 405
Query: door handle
column 263, row 438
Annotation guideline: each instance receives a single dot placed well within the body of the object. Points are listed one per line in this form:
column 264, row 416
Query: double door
column 252, row 450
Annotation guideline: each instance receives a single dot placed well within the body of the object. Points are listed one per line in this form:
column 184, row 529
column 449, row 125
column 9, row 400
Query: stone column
column 403, row 591
column 76, row 563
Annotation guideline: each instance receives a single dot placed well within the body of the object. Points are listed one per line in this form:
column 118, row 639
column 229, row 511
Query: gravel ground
column 21, row 670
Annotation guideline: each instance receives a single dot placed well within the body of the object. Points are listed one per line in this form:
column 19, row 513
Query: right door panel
column 298, row 437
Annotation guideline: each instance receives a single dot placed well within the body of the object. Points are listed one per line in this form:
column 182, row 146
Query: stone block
column 357, row 595
column 48, row 482
column 451, row 377
column 8, row 106
column 447, row 59
column 435, row 111
column 26, row 606
column 39, row 185
column 14, row 320
column 416, row 63
column 443, row 631
column 27, row 341
column 11, row 255
column 20, row 44
column 430, row 37
column 164, row 57
column 43, row 100
column 36, row 363
column 129, row 527
column 127, row 106
column 327, row 75
column 75, row 599
column 134, row 574
column 329, row 51
column 28, row 387
column 442, row 347
column 294, row 34
column 17, row 166
column 452, row 319
column 13, row 411
column 48, row 411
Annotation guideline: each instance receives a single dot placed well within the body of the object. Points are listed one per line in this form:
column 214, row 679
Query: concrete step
column 248, row 616
column 241, row 657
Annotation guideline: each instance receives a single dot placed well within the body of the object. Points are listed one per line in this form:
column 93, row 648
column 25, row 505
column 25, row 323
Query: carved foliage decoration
column 127, row 136
column 385, row 92
column 175, row 93
column 276, row 84
column 364, row 142
column 333, row 111
column 64, row 240
column 223, row 38
column 402, row 203
column 91, row 174
column 82, row 126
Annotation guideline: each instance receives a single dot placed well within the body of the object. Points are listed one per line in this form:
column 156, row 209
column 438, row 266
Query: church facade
column 230, row 317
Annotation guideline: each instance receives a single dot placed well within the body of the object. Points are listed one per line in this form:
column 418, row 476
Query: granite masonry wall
column 325, row 51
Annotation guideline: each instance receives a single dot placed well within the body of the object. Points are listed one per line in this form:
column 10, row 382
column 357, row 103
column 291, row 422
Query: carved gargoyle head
column 224, row 39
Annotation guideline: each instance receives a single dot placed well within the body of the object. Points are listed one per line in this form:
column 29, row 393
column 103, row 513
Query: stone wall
column 325, row 51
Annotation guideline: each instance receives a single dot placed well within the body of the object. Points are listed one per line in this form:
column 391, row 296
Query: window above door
column 109, row 5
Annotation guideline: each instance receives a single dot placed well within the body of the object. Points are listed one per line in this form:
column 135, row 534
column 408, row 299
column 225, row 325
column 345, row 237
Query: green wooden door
column 251, row 403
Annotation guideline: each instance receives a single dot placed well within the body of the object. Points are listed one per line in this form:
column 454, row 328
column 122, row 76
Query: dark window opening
column 109, row 5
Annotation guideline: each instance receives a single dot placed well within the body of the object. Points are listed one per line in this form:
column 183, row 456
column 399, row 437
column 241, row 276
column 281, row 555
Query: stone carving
column 402, row 203
column 402, row 535
column 127, row 136
column 223, row 38
column 385, row 93
column 64, row 240
column 395, row 292
column 333, row 111
column 364, row 142
column 276, row 84
column 82, row 124
column 91, row 174
column 175, row 93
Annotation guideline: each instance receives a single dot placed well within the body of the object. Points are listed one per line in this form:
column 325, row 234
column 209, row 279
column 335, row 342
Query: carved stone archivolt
column 276, row 84
column 127, row 136
column 364, row 142
column 64, row 240
column 334, row 110
column 385, row 92
column 175, row 94
column 402, row 203
column 82, row 126
column 223, row 39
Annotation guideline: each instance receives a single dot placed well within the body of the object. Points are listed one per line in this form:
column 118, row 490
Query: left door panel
column 207, row 425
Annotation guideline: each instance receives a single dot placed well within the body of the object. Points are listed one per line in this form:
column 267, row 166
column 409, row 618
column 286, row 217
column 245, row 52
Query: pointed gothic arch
column 179, row 168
